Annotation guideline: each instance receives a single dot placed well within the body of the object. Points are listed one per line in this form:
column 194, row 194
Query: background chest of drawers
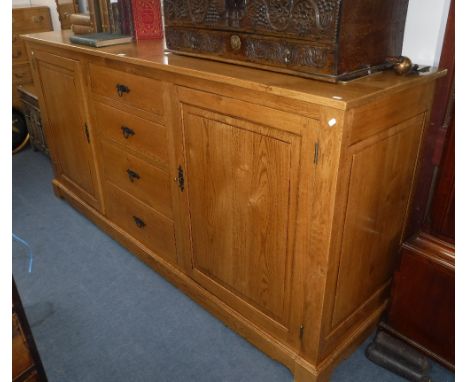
column 26, row 19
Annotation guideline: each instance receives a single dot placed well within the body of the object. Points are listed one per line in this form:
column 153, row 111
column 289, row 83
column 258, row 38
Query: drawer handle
column 17, row 75
column 132, row 175
column 38, row 19
column 121, row 89
column 127, row 132
column 18, row 53
column 139, row 223
column 15, row 38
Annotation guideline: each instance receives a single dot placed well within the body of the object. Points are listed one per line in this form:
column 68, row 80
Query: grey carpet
column 98, row 314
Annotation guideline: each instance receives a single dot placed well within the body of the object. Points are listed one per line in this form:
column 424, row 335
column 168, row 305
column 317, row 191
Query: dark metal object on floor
column 398, row 357
column 20, row 135
column 385, row 341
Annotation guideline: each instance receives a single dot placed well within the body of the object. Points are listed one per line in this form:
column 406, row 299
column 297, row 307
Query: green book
column 101, row 39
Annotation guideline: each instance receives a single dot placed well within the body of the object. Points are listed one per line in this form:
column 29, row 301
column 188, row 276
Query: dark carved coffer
column 325, row 39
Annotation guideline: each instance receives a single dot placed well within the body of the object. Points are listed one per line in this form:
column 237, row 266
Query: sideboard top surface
column 152, row 54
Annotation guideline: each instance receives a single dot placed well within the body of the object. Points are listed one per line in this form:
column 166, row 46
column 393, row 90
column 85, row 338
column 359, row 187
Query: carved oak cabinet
column 274, row 201
column 324, row 39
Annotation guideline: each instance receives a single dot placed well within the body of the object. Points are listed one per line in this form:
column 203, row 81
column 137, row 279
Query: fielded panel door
column 241, row 184
column 66, row 127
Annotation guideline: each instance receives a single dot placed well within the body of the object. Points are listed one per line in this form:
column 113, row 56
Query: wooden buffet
column 276, row 202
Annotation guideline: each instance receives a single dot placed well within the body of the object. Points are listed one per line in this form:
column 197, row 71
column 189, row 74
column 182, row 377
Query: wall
column 424, row 31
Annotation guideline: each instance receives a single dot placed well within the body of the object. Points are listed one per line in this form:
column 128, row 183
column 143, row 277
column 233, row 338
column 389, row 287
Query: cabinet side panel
column 379, row 189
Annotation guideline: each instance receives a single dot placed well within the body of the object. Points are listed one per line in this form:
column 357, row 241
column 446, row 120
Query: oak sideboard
column 276, row 202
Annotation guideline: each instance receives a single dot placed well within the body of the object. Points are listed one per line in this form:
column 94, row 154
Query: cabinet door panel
column 242, row 180
column 66, row 128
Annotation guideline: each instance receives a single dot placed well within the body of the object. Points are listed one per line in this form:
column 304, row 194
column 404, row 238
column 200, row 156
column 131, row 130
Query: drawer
column 132, row 132
column 147, row 226
column 27, row 20
column 147, row 183
column 21, row 74
column 19, row 52
column 137, row 91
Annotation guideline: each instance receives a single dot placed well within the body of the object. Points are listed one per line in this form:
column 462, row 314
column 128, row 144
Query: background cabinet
column 26, row 19
column 422, row 309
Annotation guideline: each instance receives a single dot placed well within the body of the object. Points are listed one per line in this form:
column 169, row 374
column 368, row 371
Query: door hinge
column 87, row 132
column 316, row 152
column 301, row 331
column 180, row 178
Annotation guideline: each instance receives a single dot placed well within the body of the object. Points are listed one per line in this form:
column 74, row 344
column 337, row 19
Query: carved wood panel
column 280, row 52
column 307, row 19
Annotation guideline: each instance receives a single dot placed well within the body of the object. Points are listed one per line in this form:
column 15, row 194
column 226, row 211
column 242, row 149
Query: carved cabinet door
column 241, row 190
column 65, row 125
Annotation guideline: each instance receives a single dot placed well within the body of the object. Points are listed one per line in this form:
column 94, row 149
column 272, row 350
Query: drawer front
column 133, row 132
column 137, row 91
column 275, row 53
column 144, row 224
column 19, row 52
column 27, row 20
column 147, row 183
column 22, row 74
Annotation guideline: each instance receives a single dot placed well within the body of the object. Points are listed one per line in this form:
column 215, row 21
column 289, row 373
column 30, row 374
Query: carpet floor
column 99, row 314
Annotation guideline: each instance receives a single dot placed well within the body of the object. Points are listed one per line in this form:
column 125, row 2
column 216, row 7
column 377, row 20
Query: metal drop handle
column 132, row 175
column 139, row 223
column 121, row 89
column 127, row 132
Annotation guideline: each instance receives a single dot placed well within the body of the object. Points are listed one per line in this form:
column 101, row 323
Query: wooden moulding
column 303, row 370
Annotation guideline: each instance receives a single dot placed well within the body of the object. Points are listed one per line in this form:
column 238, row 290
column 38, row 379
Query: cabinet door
column 66, row 128
column 241, row 184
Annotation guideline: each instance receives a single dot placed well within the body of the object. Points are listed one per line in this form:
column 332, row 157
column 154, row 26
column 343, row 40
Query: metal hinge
column 86, row 132
column 180, row 178
column 301, row 331
column 316, row 152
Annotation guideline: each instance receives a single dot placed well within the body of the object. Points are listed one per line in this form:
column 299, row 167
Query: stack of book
column 81, row 23
column 123, row 20
column 117, row 16
column 139, row 18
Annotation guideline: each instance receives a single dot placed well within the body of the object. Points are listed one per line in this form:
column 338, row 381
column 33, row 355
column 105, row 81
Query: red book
column 147, row 19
